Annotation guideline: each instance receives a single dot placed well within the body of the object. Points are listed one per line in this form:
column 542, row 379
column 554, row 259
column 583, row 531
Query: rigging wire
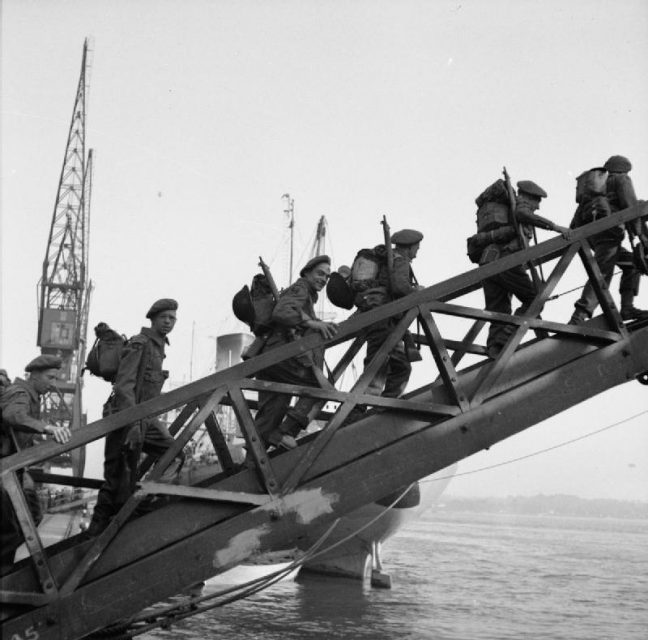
column 540, row 451
column 564, row 293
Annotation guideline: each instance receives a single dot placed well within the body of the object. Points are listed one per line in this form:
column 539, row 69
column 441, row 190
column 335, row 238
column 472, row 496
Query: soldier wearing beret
column 140, row 377
column 293, row 317
column 499, row 289
column 393, row 376
column 21, row 423
column 608, row 249
column 5, row 381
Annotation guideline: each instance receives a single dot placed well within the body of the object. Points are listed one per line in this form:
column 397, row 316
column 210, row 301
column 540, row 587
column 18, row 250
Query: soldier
column 5, row 381
column 608, row 252
column 293, row 317
column 140, row 377
column 21, row 422
column 393, row 376
column 514, row 282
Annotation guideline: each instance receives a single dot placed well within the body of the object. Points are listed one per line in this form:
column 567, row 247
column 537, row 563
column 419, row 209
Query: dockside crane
column 64, row 287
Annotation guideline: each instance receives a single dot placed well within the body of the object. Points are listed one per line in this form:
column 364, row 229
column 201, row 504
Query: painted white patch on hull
column 307, row 505
column 241, row 546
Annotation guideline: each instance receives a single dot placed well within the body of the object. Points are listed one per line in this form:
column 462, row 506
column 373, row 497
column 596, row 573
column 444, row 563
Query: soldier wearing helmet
column 608, row 249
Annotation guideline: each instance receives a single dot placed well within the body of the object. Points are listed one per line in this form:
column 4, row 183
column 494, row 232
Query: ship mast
column 64, row 287
column 289, row 210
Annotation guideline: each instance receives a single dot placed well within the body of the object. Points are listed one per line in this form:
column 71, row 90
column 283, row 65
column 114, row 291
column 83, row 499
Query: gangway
column 189, row 533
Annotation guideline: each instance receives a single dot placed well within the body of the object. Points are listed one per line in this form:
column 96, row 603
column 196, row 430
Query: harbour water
column 464, row 576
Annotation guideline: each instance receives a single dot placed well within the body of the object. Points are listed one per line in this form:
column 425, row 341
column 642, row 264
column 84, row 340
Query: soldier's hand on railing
column 327, row 329
column 563, row 231
column 60, row 434
column 134, row 437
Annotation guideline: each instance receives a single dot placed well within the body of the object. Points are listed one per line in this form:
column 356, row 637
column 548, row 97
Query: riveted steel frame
column 454, row 396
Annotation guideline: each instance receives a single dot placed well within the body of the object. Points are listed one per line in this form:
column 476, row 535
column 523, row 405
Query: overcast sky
column 202, row 114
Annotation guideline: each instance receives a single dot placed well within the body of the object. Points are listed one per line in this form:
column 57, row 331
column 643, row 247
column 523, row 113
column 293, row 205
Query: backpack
column 590, row 184
column 366, row 267
column 253, row 305
column 105, row 354
column 493, row 207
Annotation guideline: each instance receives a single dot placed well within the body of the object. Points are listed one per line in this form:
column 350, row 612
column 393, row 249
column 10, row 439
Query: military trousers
column 609, row 254
column 121, row 466
column 498, row 293
column 394, row 373
column 273, row 407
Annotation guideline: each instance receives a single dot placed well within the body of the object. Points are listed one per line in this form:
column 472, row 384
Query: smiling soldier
column 293, row 317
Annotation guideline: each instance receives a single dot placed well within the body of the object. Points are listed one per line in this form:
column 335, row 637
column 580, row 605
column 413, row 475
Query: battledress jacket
column 296, row 305
column 527, row 218
column 402, row 283
column 620, row 193
column 140, row 376
column 20, row 412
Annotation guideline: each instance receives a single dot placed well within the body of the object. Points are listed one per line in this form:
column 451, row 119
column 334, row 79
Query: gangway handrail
column 450, row 288
column 458, row 414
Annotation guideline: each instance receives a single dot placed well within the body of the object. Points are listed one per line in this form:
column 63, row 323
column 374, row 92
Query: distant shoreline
column 558, row 505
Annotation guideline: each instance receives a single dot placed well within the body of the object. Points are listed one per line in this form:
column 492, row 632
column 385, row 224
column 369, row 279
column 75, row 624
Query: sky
column 203, row 114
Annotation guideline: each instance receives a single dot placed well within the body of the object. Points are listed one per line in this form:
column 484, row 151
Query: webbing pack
column 105, row 354
column 493, row 207
column 366, row 267
column 253, row 305
column 590, row 184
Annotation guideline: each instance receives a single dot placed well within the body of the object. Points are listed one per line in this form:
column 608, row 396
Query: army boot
column 632, row 313
column 628, row 310
column 579, row 316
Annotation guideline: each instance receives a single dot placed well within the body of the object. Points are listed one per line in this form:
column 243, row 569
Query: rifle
column 389, row 251
column 267, row 273
column 523, row 239
column 258, row 344
column 410, row 347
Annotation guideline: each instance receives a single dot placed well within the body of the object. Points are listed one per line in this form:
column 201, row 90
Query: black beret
column 618, row 164
column 313, row 262
column 531, row 188
column 407, row 236
column 165, row 304
column 45, row 361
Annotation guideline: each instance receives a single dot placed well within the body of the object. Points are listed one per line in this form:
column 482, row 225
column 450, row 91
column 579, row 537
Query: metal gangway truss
column 190, row 533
